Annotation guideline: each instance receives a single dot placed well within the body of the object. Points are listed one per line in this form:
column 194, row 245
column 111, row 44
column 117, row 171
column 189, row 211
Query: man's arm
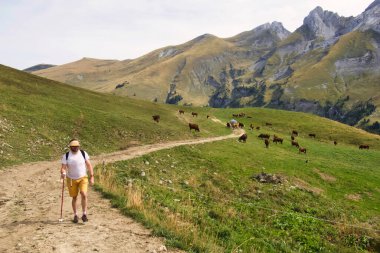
column 63, row 170
column 91, row 170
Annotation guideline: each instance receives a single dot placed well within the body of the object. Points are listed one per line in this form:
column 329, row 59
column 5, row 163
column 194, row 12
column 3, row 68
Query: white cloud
column 60, row 31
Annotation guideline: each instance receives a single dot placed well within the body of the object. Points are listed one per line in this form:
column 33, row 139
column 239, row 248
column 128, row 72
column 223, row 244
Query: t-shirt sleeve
column 86, row 156
column 63, row 161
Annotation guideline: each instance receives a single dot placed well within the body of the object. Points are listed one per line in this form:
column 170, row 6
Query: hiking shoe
column 84, row 218
column 75, row 220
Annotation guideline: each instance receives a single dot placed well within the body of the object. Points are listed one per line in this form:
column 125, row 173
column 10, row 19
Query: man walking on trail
column 75, row 164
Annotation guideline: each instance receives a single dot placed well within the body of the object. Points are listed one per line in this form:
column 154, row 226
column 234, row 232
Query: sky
column 63, row 31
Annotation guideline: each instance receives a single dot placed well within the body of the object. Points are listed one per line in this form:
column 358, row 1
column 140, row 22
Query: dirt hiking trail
column 30, row 197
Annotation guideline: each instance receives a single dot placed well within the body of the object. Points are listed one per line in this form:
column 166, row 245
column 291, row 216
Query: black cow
column 243, row 137
column 156, row 118
column 264, row 136
column 266, row 141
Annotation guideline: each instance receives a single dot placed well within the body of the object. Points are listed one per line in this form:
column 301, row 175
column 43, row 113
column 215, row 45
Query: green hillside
column 203, row 198
column 39, row 116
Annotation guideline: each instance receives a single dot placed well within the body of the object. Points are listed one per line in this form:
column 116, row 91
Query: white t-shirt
column 76, row 164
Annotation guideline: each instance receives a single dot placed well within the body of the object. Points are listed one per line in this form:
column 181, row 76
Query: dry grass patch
column 299, row 183
column 355, row 197
column 324, row 176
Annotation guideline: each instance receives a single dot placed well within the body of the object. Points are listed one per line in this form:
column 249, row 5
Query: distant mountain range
column 328, row 66
column 38, row 67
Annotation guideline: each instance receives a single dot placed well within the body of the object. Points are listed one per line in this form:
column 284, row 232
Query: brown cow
column 156, row 118
column 208, row 116
column 294, row 143
column 335, row 143
column 312, row 135
column 228, row 125
column 258, row 128
column 292, row 137
column 295, row 133
column 266, row 141
column 235, row 115
column 181, row 112
column 194, row 126
column 241, row 125
column 268, row 124
column 302, row 150
column 243, row 137
column 364, row 146
column 194, row 114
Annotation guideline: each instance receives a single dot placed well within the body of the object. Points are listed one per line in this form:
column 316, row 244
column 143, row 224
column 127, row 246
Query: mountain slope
column 328, row 66
column 39, row 116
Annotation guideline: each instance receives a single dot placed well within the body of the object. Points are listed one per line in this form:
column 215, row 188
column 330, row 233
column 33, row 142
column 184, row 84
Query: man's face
column 74, row 149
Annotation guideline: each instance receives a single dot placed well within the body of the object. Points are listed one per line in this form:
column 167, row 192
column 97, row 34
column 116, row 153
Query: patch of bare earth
column 354, row 197
column 30, row 209
column 324, row 176
column 303, row 185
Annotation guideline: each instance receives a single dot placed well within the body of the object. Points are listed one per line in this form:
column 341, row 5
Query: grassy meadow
column 203, row 198
column 38, row 117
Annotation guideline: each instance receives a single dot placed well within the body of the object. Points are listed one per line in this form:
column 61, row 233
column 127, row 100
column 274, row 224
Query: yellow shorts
column 74, row 185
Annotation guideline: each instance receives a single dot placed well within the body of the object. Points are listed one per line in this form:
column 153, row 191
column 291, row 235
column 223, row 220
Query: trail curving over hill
column 30, row 209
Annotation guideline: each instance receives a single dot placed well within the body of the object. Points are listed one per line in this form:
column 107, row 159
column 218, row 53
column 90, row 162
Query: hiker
column 75, row 164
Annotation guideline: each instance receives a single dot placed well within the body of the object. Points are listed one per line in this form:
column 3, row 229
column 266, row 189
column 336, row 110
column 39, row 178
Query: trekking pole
column 63, row 187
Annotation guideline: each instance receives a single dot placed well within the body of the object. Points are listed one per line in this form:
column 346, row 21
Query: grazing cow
column 258, row 128
column 228, row 125
column 243, row 137
column 251, row 127
column 194, row 114
column 335, row 143
column 194, row 126
column 208, row 116
column 266, row 141
column 242, row 114
column 302, row 150
column 268, row 124
column 181, row 112
column 277, row 139
column 294, row 143
column 364, row 146
column 156, row 118
column 241, row 125
column 295, row 133
column 312, row 135
column 264, row 136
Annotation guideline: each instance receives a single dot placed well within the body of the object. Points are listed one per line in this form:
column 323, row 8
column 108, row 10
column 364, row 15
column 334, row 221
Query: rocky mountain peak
column 275, row 27
column 375, row 4
column 369, row 19
column 324, row 24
